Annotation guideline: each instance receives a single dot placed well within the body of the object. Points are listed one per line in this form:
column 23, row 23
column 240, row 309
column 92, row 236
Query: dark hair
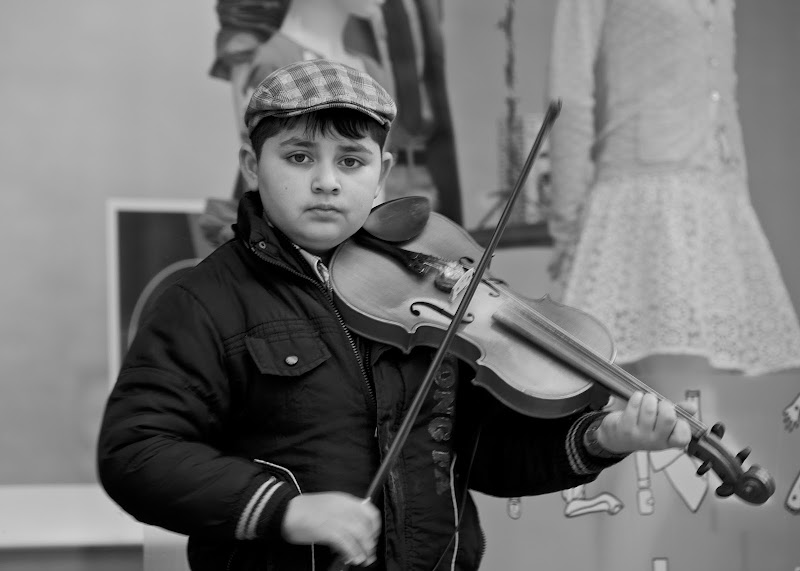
column 348, row 123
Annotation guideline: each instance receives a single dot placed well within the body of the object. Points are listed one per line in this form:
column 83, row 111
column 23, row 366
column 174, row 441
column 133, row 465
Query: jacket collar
column 252, row 228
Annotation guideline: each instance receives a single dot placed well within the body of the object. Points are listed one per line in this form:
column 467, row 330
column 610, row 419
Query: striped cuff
column 263, row 514
column 580, row 460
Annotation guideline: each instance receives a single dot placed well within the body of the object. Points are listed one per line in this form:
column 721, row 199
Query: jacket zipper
column 353, row 347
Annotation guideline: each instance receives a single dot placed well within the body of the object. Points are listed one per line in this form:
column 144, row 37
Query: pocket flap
column 290, row 356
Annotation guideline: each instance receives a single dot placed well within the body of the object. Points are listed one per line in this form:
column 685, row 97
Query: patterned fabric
column 306, row 86
column 678, row 264
column 654, row 229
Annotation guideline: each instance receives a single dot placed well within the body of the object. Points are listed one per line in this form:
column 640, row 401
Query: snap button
column 291, row 360
column 262, row 244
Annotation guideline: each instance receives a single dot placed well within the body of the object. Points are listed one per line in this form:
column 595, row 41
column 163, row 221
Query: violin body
column 381, row 299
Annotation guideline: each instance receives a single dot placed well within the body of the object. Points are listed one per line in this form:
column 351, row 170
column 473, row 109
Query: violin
column 536, row 356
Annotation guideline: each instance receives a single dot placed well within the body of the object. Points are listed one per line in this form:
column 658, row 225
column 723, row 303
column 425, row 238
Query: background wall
column 98, row 99
column 103, row 98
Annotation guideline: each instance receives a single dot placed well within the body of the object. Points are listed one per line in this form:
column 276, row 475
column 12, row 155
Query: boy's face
column 317, row 189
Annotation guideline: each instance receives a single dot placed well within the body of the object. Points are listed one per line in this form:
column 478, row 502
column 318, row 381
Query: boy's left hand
column 645, row 424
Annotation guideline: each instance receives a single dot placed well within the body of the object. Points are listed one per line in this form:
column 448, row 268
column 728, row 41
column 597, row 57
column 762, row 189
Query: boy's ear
column 248, row 165
column 387, row 162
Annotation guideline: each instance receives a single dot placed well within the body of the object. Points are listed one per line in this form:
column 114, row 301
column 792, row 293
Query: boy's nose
column 326, row 179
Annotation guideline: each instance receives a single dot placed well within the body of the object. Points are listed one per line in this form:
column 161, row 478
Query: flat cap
column 306, row 86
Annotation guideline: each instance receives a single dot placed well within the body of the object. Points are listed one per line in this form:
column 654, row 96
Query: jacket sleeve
column 516, row 455
column 160, row 453
column 574, row 46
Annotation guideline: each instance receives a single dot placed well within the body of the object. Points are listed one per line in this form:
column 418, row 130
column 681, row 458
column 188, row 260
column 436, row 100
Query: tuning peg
column 725, row 490
column 718, row 430
column 704, row 467
column 743, row 454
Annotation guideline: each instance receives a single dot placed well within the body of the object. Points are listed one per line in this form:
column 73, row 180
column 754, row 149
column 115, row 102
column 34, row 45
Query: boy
column 247, row 416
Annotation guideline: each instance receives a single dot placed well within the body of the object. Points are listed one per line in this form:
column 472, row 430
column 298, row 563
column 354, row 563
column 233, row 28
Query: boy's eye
column 350, row 162
column 298, row 158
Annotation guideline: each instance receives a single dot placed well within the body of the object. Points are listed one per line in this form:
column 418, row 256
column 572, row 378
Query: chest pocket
column 293, row 387
column 288, row 353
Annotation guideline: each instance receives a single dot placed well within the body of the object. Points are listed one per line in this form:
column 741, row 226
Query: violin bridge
column 462, row 283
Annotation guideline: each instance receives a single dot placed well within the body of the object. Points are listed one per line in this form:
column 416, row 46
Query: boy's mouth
column 324, row 207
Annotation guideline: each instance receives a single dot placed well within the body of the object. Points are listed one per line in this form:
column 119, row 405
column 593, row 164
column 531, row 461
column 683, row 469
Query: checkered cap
column 306, row 86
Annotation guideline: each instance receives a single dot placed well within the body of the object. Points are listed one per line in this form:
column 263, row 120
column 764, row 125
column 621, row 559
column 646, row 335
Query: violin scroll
column 754, row 486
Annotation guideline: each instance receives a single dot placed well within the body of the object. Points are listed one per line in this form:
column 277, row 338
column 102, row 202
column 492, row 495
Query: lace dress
column 655, row 231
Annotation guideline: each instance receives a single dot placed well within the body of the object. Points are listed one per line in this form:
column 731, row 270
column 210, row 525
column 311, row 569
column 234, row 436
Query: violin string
column 576, row 346
column 435, row 262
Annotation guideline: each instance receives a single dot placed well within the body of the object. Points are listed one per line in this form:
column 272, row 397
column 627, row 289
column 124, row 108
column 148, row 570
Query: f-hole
column 468, row 318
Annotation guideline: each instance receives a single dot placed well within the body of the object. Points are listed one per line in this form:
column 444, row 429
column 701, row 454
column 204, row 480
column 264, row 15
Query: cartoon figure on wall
column 791, row 420
column 576, row 503
column 791, row 415
column 792, row 503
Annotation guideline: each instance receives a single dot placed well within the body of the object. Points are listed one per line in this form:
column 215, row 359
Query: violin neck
column 414, row 262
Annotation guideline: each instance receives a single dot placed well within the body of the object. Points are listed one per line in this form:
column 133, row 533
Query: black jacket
column 244, row 388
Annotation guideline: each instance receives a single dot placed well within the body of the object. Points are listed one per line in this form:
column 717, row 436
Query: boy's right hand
column 349, row 525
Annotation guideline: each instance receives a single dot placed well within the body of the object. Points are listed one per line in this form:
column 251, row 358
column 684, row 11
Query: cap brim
column 338, row 104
